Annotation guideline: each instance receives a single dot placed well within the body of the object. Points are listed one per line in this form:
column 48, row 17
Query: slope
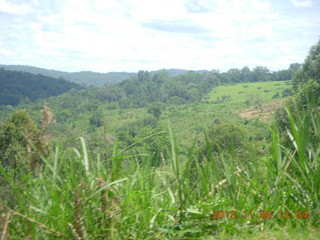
column 15, row 86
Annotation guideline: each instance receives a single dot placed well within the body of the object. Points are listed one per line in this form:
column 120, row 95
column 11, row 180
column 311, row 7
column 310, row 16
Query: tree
column 260, row 74
column 156, row 109
column 96, row 119
column 235, row 75
column 245, row 74
column 294, row 66
column 311, row 66
column 310, row 71
column 228, row 137
column 21, row 144
column 143, row 76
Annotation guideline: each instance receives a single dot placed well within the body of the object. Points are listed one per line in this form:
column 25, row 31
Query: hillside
column 16, row 86
column 83, row 77
column 265, row 112
column 159, row 120
column 181, row 156
column 143, row 155
column 249, row 93
column 89, row 77
column 130, row 115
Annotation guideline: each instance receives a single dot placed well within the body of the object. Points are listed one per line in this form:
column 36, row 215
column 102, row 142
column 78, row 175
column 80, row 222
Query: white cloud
column 129, row 35
column 302, row 3
column 9, row 7
column 6, row 52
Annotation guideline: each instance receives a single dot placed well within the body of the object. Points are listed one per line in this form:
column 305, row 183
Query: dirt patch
column 267, row 112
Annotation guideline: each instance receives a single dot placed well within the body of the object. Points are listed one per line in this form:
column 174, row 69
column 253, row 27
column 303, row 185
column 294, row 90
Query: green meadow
column 239, row 94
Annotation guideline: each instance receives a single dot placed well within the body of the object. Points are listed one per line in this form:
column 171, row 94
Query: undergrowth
column 125, row 196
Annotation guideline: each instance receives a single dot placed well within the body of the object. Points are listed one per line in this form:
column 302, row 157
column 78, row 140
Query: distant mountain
column 88, row 77
column 16, row 86
column 84, row 77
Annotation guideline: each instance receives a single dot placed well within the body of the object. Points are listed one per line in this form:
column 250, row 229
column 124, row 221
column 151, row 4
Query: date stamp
column 259, row 215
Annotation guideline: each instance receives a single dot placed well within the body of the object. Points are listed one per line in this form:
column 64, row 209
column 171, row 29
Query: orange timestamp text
column 259, row 215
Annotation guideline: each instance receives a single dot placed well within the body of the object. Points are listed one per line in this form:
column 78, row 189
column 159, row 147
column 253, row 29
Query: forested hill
column 145, row 88
column 83, row 77
column 88, row 77
column 15, row 86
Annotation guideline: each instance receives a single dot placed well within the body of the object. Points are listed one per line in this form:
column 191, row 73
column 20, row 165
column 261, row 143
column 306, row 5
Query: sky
column 133, row 35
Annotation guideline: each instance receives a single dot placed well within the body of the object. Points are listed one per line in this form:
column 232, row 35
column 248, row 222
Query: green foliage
column 241, row 95
column 310, row 71
column 228, row 137
column 63, row 116
column 83, row 77
column 145, row 88
column 311, row 66
column 19, row 137
column 13, row 147
column 277, row 95
column 126, row 197
column 142, row 184
column 156, row 109
column 175, row 100
column 308, row 93
column 97, row 119
column 16, row 86
column 287, row 92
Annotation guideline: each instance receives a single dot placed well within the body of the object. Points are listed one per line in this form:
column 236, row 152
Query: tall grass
column 126, row 197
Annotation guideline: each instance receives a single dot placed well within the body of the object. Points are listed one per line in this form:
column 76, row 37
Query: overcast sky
column 132, row 35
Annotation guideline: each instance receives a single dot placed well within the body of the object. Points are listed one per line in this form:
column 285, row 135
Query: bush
column 97, row 119
column 277, row 95
column 287, row 92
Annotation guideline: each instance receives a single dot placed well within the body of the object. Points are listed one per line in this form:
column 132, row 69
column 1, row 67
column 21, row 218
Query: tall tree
column 310, row 72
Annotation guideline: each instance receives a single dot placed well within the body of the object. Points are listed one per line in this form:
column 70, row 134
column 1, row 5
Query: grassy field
column 237, row 95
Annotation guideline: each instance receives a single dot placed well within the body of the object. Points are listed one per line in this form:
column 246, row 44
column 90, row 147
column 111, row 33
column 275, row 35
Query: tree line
column 141, row 90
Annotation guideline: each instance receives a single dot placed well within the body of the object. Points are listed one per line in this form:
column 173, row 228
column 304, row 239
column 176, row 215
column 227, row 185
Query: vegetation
column 165, row 157
column 258, row 74
column 310, row 72
column 249, row 94
column 18, row 86
column 83, row 78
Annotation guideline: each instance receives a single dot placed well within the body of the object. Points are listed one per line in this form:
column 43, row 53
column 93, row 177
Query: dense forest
column 140, row 90
column 98, row 79
column 84, row 78
column 145, row 88
column 18, row 86
column 162, row 156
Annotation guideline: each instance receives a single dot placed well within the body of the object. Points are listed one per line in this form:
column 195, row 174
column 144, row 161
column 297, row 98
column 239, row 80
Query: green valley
column 165, row 156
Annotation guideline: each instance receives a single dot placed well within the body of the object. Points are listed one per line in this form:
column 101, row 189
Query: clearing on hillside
column 265, row 112
column 248, row 94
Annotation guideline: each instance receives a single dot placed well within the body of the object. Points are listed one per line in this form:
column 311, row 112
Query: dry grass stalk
column 38, row 223
column 110, row 200
column 4, row 220
column 110, row 204
column 79, row 227
column 108, row 139
column 2, row 214
column 37, row 143
column 46, row 118
column 163, row 159
column 74, row 231
column 5, row 223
